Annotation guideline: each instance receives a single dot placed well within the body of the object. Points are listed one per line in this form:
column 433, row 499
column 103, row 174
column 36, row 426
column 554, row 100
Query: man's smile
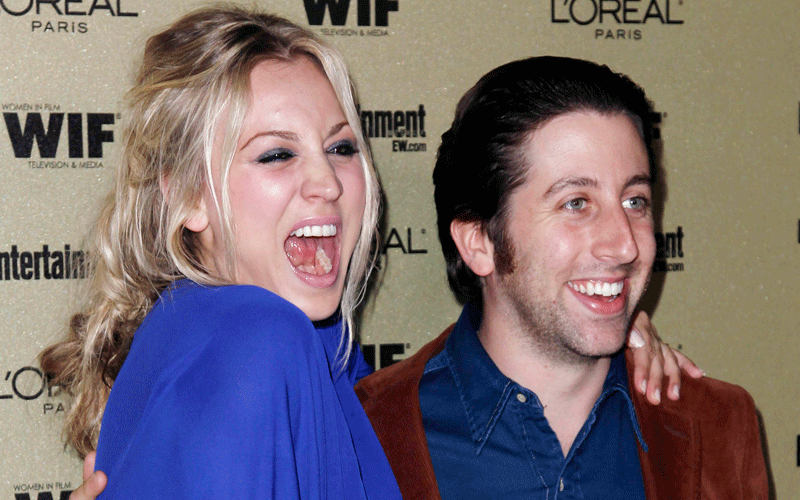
column 595, row 287
column 607, row 298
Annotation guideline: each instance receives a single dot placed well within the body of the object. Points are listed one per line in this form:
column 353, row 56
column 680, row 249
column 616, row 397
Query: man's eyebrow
column 283, row 134
column 638, row 180
column 566, row 182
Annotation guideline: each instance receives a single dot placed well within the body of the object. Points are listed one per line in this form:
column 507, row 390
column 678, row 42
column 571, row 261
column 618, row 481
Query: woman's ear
column 474, row 245
column 198, row 220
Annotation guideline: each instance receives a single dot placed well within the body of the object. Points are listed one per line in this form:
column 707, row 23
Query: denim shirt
column 488, row 436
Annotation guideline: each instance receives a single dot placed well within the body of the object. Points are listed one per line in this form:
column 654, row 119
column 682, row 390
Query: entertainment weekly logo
column 405, row 128
column 43, row 263
column 60, row 17
column 370, row 18
column 617, row 19
column 43, row 136
column 669, row 251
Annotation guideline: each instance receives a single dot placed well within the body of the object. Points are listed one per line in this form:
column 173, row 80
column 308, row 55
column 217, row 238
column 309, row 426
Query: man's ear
column 198, row 220
column 474, row 245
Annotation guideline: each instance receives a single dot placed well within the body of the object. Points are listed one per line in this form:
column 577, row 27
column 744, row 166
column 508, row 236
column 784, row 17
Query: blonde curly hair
column 189, row 73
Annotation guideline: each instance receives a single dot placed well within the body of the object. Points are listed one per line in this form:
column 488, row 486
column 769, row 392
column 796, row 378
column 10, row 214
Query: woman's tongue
column 310, row 254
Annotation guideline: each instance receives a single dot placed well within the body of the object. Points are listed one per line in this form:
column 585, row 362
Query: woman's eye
column 343, row 148
column 576, row 204
column 275, row 155
column 636, row 203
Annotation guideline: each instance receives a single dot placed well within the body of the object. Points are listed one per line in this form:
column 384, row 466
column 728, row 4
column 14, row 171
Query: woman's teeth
column 311, row 249
column 597, row 288
column 324, row 230
column 323, row 260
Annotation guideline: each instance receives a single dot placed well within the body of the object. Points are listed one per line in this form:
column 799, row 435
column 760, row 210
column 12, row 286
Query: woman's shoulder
column 234, row 341
column 233, row 308
column 221, row 323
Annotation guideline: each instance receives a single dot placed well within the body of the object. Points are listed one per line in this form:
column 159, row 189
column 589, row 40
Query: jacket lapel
column 398, row 425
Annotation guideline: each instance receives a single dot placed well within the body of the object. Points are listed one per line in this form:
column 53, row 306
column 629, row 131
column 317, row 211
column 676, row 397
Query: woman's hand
column 654, row 360
column 94, row 482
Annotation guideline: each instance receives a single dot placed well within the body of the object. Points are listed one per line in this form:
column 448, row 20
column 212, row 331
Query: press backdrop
column 723, row 76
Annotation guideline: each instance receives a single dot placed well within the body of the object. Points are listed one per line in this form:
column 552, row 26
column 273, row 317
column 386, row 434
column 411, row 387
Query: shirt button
column 561, row 485
column 521, row 397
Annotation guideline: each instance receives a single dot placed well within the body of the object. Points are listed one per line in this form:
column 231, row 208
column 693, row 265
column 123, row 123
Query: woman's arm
column 228, row 393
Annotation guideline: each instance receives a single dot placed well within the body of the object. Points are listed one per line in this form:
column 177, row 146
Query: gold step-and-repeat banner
column 724, row 79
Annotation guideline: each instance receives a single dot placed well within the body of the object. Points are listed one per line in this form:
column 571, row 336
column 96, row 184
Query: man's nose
column 614, row 238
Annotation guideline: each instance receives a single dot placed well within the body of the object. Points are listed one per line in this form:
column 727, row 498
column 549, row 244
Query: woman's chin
column 319, row 306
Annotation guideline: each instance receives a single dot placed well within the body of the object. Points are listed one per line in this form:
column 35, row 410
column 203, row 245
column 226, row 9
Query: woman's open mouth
column 313, row 250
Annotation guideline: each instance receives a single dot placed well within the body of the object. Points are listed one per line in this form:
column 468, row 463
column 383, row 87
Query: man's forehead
column 585, row 149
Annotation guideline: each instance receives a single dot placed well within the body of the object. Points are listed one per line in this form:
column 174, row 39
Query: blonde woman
column 244, row 211
column 228, row 263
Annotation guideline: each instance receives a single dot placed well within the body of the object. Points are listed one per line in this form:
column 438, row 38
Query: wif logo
column 84, row 134
column 42, row 491
column 386, row 354
column 47, row 138
column 338, row 9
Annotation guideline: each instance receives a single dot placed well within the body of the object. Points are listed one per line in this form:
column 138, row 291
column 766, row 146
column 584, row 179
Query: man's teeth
column 324, row 230
column 597, row 288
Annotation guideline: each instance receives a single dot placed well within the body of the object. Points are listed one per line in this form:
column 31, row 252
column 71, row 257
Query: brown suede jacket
column 705, row 446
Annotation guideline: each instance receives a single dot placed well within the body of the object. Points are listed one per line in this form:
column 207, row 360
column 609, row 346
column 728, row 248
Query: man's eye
column 637, row 203
column 343, row 148
column 275, row 155
column 576, row 204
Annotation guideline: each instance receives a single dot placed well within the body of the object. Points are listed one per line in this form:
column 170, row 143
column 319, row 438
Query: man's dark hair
column 481, row 160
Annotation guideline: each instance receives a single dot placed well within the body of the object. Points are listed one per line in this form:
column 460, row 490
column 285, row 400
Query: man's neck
column 567, row 387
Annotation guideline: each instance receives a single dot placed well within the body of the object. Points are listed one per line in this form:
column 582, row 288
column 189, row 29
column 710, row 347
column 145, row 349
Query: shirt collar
column 485, row 391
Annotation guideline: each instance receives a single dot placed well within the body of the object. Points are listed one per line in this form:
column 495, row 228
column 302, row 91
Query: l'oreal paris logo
column 585, row 12
column 66, row 8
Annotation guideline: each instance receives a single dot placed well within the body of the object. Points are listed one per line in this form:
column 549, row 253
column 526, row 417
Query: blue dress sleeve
column 244, row 413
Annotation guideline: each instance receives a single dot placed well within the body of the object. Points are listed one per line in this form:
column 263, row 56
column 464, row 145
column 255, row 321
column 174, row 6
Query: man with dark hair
column 544, row 203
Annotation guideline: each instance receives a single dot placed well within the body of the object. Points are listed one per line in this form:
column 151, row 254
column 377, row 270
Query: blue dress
column 232, row 392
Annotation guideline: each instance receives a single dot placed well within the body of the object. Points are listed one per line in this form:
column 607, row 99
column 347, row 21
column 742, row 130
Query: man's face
column 581, row 230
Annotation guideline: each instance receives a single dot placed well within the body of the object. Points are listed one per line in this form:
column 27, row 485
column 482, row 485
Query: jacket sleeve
column 755, row 481
column 238, row 418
